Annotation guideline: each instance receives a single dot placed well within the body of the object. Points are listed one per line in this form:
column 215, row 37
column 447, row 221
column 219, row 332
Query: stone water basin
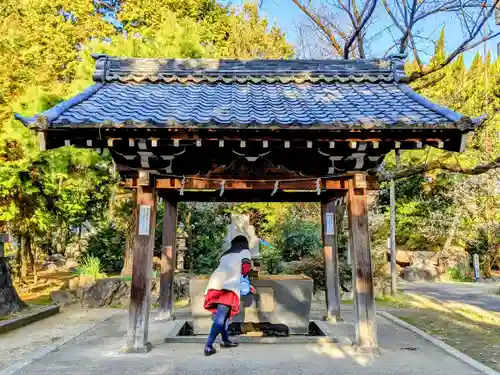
column 281, row 299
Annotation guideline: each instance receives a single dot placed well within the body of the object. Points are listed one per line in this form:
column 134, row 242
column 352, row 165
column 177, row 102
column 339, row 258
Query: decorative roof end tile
column 101, row 66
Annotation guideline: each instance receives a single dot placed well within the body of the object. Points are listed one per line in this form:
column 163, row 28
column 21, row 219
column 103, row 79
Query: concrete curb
column 34, row 356
column 440, row 344
column 21, row 321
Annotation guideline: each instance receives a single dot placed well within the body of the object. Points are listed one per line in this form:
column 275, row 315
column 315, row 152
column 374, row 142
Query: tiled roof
column 259, row 93
column 254, row 71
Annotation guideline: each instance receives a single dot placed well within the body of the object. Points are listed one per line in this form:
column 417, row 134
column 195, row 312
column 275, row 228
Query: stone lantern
column 182, row 237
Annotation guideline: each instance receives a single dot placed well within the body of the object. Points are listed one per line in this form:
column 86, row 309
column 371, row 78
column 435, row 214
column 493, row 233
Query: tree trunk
column 23, row 266
column 9, row 299
column 453, row 229
column 33, row 260
column 19, row 259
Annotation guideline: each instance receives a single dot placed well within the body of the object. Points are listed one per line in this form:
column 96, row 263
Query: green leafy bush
column 90, row 266
column 314, row 267
column 107, row 244
column 299, row 238
column 459, row 273
column 206, row 225
column 272, row 261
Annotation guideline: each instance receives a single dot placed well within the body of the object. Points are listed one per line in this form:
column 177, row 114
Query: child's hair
column 240, row 242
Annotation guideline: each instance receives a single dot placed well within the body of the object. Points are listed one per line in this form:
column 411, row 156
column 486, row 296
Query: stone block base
column 280, row 300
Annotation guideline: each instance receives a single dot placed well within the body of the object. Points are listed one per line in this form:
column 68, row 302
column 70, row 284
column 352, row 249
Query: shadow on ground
column 97, row 351
column 468, row 328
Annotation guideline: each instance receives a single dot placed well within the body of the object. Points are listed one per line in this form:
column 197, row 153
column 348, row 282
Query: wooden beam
column 176, row 184
column 331, row 259
column 168, row 253
column 364, row 301
column 140, row 292
column 247, row 196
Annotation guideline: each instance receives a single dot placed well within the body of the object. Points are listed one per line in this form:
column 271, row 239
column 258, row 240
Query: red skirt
column 214, row 298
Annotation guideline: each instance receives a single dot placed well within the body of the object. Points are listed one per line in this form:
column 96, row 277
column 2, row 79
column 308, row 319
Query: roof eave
column 43, row 120
column 478, row 121
column 27, row 121
column 341, row 127
column 443, row 111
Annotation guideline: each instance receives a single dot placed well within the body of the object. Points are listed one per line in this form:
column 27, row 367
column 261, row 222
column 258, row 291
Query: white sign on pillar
column 144, row 219
column 329, row 224
column 475, row 261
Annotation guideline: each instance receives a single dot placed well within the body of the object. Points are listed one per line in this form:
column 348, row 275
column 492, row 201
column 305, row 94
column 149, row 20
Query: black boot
column 209, row 350
column 228, row 344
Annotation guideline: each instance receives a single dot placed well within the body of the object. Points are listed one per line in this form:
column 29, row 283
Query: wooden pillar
column 168, row 260
column 331, row 259
column 392, row 237
column 364, row 301
column 142, row 269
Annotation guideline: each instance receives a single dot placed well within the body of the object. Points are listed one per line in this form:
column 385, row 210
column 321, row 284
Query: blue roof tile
column 261, row 93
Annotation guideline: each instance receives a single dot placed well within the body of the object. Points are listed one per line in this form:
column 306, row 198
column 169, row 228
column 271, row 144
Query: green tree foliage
column 206, row 225
column 45, row 57
column 107, row 245
column 43, row 198
column 299, row 238
column 220, row 31
column 441, row 209
column 40, row 41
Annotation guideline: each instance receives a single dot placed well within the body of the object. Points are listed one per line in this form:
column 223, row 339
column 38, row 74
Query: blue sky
column 286, row 15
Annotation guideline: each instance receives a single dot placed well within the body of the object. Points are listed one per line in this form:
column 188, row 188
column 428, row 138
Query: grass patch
column 459, row 274
column 469, row 329
column 43, row 299
column 399, row 301
column 181, row 303
column 91, row 266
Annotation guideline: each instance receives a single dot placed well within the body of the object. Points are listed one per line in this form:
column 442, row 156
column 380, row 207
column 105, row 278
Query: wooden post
column 168, row 260
column 364, row 301
column 392, row 241
column 128, row 252
column 392, row 224
column 142, row 269
column 331, row 259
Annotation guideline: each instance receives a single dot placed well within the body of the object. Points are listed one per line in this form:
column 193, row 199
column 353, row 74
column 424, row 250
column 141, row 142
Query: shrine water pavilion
column 258, row 130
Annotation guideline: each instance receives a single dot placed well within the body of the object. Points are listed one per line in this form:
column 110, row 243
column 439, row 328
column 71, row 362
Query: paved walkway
column 51, row 332
column 475, row 294
column 97, row 351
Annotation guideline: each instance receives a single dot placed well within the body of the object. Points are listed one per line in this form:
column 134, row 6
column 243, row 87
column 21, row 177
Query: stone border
column 24, row 320
column 172, row 337
column 440, row 344
column 34, row 356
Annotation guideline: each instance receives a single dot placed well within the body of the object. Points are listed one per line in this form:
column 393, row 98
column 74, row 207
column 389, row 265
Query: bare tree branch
column 359, row 28
column 463, row 47
column 345, row 25
column 321, row 25
column 437, row 164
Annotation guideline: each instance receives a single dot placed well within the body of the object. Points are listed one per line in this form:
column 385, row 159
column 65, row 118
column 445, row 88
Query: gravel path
column 68, row 323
